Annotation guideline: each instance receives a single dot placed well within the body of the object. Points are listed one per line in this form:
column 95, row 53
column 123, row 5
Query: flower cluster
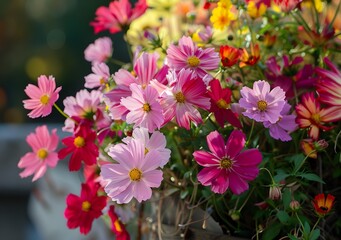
column 226, row 107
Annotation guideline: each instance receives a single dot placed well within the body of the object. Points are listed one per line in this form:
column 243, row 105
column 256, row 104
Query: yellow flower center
column 226, row 163
column 180, row 98
column 262, row 105
column 135, row 174
column 79, row 142
column 316, row 118
column 86, row 205
column 42, row 153
column 222, row 104
column 45, row 99
column 146, row 107
column 193, row 61
column 102, row 81
column 146, row 151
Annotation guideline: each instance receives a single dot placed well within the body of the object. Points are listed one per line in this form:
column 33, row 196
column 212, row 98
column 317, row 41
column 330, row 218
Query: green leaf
column 292, row 237
column 315, row 234
column 272, row 231
column 311, row 177
column 184, row 194
column 297, row 159
column 286, row 196
column 283, row 217
column 280, row 176
column 306, row 229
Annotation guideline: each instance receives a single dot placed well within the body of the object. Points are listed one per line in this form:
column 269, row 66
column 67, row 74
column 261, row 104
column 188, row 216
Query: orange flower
column 229, row 55
column 249, row 59
column 323, row 205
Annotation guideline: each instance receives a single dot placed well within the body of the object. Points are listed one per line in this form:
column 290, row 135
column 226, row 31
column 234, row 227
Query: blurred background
column 38, row 37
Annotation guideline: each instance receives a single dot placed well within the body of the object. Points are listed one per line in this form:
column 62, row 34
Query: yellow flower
column 311, row 3
column 221, row 17
column 225, row 4
column 255, row 11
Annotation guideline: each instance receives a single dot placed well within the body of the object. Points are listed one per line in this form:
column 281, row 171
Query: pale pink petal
column 206, row 159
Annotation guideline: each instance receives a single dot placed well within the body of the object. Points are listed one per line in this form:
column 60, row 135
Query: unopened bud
column 294, row 205
column 321, row 145
column 275, row 192
column 235, row 215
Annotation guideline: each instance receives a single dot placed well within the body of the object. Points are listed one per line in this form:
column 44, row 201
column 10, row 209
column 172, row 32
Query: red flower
column 220, row 100
column 82, row 146
column 247, row 59
column 323, row 205
column 229, row 55
column 116, row 226
column 81, row 211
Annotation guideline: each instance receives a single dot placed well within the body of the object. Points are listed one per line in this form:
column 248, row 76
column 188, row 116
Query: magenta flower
column 43, row 153
column 134, row 175
column 99, row 77
column 187, row 55
column 99, row 51
column 144, row 108
column 227, row 166
column 82, row 148
column 42, row 97
column 220, row 101
column 157, row 142
column 117, row 16
column 186, row 93
column 284, row 126
column 260, row 103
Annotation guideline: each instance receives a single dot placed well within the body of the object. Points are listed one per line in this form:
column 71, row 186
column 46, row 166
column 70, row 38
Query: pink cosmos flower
column 82, row 147
column 284, row 126
column 227, row 166
column 260, row 103
column 187, row 55
column 117, row 16
column 183, row 96
column 82, row 210
column 134, row 175
column 310, row 115
column 99, row 51
column 99, row 77
column 220, row 100
column 144, row 108
column 43, row 153
column 329, row 86
column 42, row 97
column 85, row 106
column 157, row 142
column 287, row 5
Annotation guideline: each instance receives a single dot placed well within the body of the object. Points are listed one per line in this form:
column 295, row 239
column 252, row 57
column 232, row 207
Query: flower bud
column 320, row 145
column 235, row 215
column 275, row 192
column 295, row 205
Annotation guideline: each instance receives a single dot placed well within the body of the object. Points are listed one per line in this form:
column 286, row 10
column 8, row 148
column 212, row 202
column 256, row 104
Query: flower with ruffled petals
column 260, row 103
column 249, row 59
column 117, row 227
column 157, row 142
column 187, row 55
column 42, row 97
column 284, row 126
column 43, row 153
column 82, row 210
column 227, row 166
column 310, row 115
column 181, row 99
column 256, row 9
column 99, row 51
column 82, row 147
column 99, row 77
column 220, row 100
column 118, row 16
column 134, row 174
column 323, row 205
column 287, row 5
column 144, row 108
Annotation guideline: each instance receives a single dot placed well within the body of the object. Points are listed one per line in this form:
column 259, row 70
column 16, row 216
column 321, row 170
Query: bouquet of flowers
column 226, row 121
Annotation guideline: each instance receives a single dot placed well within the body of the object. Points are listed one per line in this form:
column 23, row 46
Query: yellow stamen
column 146, row 151
column 180, row 98
column 135, row 174
column 117, row 226
column 222, row 104
column 226, row 163
column 45, row 99
column 146, row 107
column 79, row 142
column 262, row 105
column 193, row 61
column 316, row 118
column 42, row 153
column 86, row 205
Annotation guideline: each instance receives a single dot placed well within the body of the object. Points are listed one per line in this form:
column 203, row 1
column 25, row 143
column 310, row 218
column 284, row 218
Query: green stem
column 249, row 138
column 315, row 225
column 300, row 222
column 117, row 62
column 302, row 163
column 60, row 111
column 272, row 179
column 247, row 199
